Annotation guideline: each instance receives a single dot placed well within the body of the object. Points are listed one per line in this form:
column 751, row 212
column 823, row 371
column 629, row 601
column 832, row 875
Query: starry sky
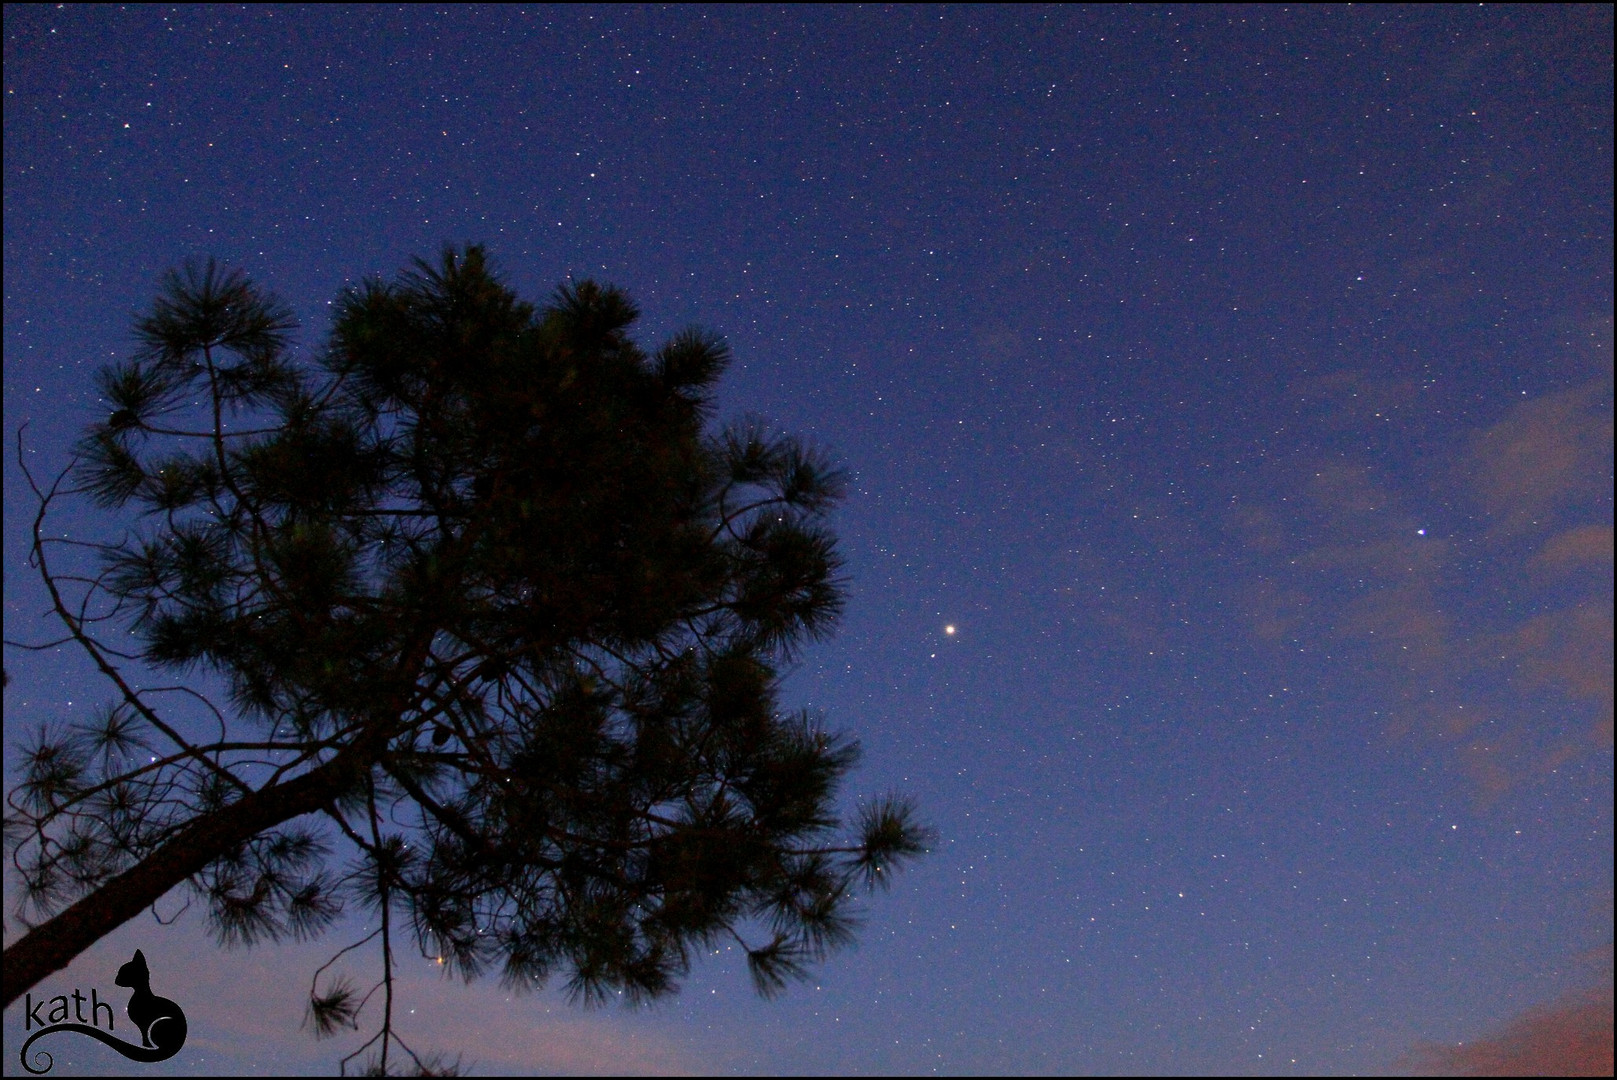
column 1236, row 381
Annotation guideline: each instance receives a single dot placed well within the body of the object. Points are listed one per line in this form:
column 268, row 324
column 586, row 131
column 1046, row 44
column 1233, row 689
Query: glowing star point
column 949, row 629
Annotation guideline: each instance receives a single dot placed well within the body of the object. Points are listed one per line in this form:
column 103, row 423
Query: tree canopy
column 486, row 620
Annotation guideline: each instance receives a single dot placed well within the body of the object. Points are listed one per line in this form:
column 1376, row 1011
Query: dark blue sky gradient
column 1237, row 381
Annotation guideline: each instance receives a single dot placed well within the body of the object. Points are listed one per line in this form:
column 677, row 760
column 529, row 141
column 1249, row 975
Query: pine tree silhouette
column 498, row 617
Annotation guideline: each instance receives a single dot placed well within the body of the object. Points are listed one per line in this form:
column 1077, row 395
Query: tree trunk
column 53, row 944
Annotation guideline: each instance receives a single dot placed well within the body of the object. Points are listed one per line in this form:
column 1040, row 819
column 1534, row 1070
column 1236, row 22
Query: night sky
column 1237, row 382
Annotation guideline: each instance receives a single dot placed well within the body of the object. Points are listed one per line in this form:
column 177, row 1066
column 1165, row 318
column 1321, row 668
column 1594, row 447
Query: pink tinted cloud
column 1347, row 557
column 1571, row 651
column 1588, row 547
column 1573, row 1037
column 1545, row 454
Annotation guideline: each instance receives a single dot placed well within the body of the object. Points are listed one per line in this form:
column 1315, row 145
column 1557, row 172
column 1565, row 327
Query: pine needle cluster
column 499, row 614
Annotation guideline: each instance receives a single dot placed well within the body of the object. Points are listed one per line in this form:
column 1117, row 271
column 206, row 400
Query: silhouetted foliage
column 495, row 613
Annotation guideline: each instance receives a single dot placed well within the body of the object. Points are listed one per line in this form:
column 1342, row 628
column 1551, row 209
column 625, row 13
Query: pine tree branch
column 53, row 944
column 89, row 644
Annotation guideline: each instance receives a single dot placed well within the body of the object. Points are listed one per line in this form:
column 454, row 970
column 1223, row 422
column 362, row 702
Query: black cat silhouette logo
column 160, row 1021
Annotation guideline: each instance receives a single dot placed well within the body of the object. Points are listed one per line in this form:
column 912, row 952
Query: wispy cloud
column 1572, row 1037
column 1545, row 457
column 1381, row 571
